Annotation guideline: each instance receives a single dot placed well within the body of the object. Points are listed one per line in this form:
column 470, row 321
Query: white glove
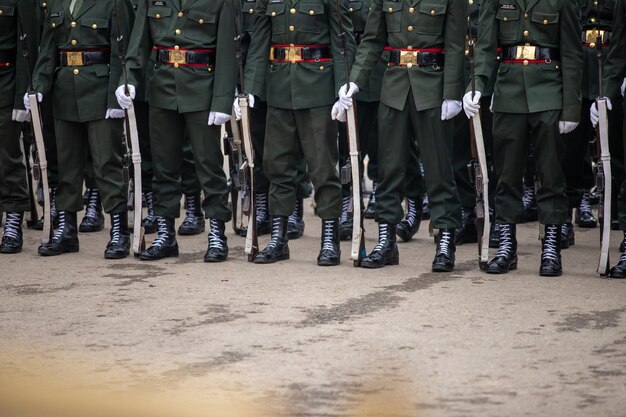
column 623, row 87
column 338, row 112
column 594, row 114
column 114, row 114
column 125, row 100
column 27, row 102
column 237, row 108
column 20, row 116
column 345, row 94
column 450, row 108
column 218, row 119
column 567, row 127
column 471, row 105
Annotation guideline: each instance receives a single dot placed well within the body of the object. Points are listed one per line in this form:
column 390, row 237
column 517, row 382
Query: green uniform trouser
column 511, row 144
column 414, row 186
column 167, row 135
column 13, row 186
column 103, row 139
column 50, row 141
column 397, row 128
column 290, row 136
column 621, row 200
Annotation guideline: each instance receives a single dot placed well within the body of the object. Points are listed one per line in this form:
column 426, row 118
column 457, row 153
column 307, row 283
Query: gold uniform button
column 525, row 15
column 76, row 71
column 291, row 28
column 176, row 47
column 74, row 42
column 411, row 10
column 545, row 21
column 44, row 5
column 410, row 28
column 158, row 16
column 322, row 68
column 311, row 12
column 293, row 61
column 525, row 62
column 409, row 65
column 506, row 19
column 292, row 11
column 94, row 26
column 592, row 45
column 175, row 64
column 410, row 47
column 471, row 2
column 180, row 14
column 54, row 25
column 292, row 45
column 432, row 12
column 595, row 3
column 1, row 12
column 556, row 67
column 526, row 33
column 251, row 11
column 593, row 20
column 390, row 10
column 201, row 21
column 73, row 24
column 351, row 9
column 178, row 31
column 273, row 14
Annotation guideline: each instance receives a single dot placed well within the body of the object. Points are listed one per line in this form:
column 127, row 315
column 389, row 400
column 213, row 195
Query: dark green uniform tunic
column 411, row 100
column 299, row 97
column 181, row 97
column 13, row 85
column 531, row 97
column 81, row 96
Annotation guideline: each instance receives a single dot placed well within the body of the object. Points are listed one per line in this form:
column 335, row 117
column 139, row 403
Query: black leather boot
column 531, row 213
column 345, row 222
column 263, row 220
column 65, row 239
column 330, row 252
column 119, row 245
column 53, row 212
column 386, row 251
column 506, row 257
column 94, row 219
column 370, row 210
column 217, row 251
column 150, row 221
column 622, row 246
column 425, row 208
column 12, row 237
column 194, row 218
column 409, row 226
column 445, row 255
column 165, row 244
column 278, row 248
column 584, row 215
column 295, row 228
column 568, row 238
column 619, row 270
column 551, row 252
column 494, row 236
column 467, row 232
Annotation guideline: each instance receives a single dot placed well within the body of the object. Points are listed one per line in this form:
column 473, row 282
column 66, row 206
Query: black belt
column 186, row 57
column 418, row 58
column 84, row 58
column 531, row 53
column 7, row 58
column 300, row 53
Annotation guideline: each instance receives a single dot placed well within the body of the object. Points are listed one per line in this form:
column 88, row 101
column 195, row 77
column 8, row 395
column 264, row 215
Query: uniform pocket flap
column 312, row 8
column 6, row 10
column 507, row 15
column 392, row 6
column 159, row 12
column 274, row 9
column 56, row 21
column 545, row 18
column 433, row 9
column 355, row 5
column 95, row 23
column 202, row 17
column 102, row 70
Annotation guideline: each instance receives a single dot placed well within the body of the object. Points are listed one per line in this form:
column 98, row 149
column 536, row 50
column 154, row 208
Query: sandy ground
column 301, row 340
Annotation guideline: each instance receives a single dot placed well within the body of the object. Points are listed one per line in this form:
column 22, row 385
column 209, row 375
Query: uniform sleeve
column 486, row 44
column 139, row 47
column 615, row 66
column 455, row 29
column 258, row 52
column 46, row 61
column 340, row 20
column 121, row 23
column 28, row 26
column 571, row 61
column 371, row 46
column 225, row 61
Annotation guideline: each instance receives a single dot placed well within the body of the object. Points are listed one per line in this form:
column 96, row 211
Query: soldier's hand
column 623, row 87
column 20, row 116
column 338, row 112
column 114, row 114
column 124, row 100
column 471, row 105
column 218, row 119
column 594, row 114
column 27, row 101
column 345, row 94
column 237, row 107
column 567, row 127
column 450, row 108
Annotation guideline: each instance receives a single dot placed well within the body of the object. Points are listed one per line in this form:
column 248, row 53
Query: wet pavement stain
column 212, row 314
column 595, row 320
column 144, row 272
column 36, row 289
column 199, row 369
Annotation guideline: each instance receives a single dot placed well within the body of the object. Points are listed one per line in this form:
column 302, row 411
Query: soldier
column 422, row 86
column 296, row 52
column 79, row 66
column 16, row 18
column 536, row 98
column 192, row 88
column 615, row 84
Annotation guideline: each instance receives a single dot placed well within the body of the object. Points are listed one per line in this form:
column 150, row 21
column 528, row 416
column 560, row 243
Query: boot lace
column 53, row 204
column 444, row 243
column 327, row 237
column 528, row 197
column 275, row 233
column 190, row 202
column 61, row 228
column 150, row 206
column 345, row 208
column 372, row 199
column 162, row 234
column 92, row 204
column 383, row 231
column 294, row 217
column 12, row 226
column 215, row 237
column 584, row 203
column 116, row 229
column 261, row 207
column 506, row 240
column 549, row 243
column 411, row 213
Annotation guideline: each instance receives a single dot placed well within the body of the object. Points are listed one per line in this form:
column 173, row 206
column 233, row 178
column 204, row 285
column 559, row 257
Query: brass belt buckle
column 74, row 59
column 177, row 57
column 591, row 36
column 294, row 54
column 526, row 52
column 408, row 58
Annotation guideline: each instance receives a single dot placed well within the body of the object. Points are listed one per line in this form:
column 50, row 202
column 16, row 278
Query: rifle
column 133, row 153
column 246, row 169
column 40, row 162
column 28, row 146
column 234, row 152
column 478, row 165
column 351, row 172
column 603, row 167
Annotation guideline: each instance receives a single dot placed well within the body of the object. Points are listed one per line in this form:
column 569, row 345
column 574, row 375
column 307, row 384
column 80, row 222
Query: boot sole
column 215, row 260
column 271, row 261
column 10, row 251
column 329, row 263
column 390, row 262
column 442, row 269
column 116, row 256
column 172, row 254
column 48, row 253
column 512, row 267
column 550, row 274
